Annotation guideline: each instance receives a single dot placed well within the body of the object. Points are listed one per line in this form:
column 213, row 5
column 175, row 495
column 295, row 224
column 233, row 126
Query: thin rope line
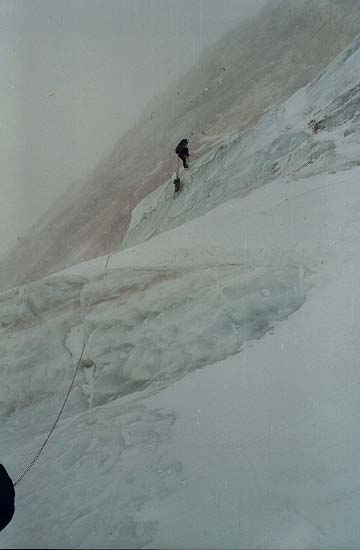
column 107, row 260
column 55, row 423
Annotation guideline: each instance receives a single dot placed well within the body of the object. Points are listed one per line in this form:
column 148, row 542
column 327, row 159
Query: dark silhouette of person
column 176, row 183
column 7, row 498
column 182, row 152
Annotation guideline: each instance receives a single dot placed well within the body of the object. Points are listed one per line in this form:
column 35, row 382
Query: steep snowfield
column 217, row 405
column 281, row 145
column 253, row 68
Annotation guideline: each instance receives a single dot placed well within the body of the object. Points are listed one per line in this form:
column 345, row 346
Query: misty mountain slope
column 282, row 144
column 250, row 70
column 217, row 405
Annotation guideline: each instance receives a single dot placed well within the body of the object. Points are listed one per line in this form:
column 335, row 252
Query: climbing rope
column 55, row 423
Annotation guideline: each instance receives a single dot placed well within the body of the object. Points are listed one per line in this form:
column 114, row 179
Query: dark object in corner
column 7, row 498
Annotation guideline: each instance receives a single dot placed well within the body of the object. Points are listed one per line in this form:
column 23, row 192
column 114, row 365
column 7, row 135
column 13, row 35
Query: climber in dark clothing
column 7, row 498
column 182, row 152
column 176, row 183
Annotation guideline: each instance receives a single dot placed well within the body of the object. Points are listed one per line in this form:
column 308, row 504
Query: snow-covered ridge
column 140, row 325
column 281, row 145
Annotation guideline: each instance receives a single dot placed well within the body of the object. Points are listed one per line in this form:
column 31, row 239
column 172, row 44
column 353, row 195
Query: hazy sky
column 75, row 74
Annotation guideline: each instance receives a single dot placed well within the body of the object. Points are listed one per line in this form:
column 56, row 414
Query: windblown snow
column 217, row 403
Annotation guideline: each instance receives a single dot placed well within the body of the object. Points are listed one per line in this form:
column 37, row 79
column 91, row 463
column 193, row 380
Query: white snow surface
column 217, row 405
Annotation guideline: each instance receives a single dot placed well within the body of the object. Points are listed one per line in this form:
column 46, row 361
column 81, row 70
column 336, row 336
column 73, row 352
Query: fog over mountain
column 265, row 60
column 76, row 75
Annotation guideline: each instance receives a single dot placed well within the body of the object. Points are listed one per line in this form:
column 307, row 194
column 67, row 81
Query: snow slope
column 217, row 405
column 281, row 145
column 250, row 70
